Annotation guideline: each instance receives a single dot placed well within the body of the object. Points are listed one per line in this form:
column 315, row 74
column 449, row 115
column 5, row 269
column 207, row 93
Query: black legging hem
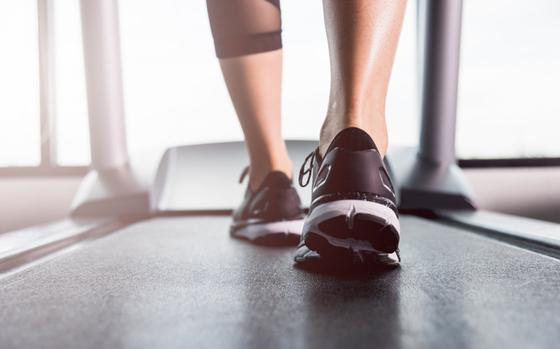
column 244, row 27
column 241, row 46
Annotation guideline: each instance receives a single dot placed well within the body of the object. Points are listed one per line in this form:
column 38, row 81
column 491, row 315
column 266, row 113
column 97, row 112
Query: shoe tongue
column 352, row 138
column 276, row 179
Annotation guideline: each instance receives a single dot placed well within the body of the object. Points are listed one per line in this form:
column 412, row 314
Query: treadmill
column 145, row 259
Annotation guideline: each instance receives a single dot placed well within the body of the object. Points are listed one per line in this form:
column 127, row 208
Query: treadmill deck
column 182, row 282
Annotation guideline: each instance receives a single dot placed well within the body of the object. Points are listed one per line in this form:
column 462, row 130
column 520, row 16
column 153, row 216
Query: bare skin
column 362, row 36
column 254, row 83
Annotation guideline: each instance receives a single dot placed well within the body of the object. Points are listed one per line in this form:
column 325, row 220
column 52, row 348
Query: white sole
column 263, row 230
column 376, row 212
column 305, row 255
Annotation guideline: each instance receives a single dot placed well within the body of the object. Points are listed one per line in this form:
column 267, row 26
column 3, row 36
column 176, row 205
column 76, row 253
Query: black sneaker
column 353, row 213
column 271, row 215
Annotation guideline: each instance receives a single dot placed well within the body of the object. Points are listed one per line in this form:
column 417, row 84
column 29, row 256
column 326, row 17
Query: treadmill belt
column 178, row 282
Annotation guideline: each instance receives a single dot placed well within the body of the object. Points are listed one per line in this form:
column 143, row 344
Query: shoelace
column 306, row 172
column 244, row 174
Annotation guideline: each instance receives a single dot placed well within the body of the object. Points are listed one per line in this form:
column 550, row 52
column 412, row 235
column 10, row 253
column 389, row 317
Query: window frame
column 509, row 162
column 48, row 165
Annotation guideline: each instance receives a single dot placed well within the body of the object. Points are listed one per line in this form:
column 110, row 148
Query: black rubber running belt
column 178, row 282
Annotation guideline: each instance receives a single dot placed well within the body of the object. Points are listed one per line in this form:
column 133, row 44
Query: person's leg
column 362, row 36
column 247, row 37
column 353, row 214
column 254, row 84
column 248, row 43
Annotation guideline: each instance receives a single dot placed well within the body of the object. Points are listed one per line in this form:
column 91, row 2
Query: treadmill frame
column 113, row 194
column 427, row 178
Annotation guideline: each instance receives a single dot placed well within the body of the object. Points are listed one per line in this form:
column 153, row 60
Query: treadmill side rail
column 20, row 247
column 526, row 232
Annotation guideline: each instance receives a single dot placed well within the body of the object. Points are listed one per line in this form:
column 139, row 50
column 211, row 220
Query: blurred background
column 509, row 106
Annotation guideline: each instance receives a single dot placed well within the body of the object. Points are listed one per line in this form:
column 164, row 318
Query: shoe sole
column 273, row 233
column 357, row 229
column 345, row 259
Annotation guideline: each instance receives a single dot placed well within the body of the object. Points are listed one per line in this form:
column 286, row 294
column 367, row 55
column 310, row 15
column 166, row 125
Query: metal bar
column 100, row 30
column 47, row 82
column 440, row 29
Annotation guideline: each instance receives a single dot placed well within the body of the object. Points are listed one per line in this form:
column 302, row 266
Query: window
column 43, row 114
column 510, row 80
column 20, row 135
column 70, row 87
column 174, row 93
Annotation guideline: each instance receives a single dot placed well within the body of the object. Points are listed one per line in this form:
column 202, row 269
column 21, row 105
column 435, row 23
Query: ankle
column 261, row 168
